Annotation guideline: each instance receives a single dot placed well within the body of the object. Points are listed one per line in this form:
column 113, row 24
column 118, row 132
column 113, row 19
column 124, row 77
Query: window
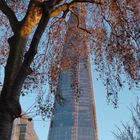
column 22, row 137
column 22, row 131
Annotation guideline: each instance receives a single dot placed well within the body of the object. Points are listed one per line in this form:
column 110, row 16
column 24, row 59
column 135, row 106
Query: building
column 76, row 118
column 23, row 129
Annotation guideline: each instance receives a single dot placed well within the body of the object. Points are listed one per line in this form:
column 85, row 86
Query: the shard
column 76, row 118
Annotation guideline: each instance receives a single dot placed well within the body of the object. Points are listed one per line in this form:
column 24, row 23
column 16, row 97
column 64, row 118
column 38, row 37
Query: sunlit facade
column 23, row 130
column 76, row 119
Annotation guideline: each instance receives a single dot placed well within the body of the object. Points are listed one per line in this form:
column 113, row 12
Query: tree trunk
column 9, row 106
column 9, row 110
column 18, row 67
column 6, row 122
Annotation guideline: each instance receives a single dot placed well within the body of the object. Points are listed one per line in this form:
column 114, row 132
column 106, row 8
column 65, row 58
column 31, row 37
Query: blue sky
column 107, row 116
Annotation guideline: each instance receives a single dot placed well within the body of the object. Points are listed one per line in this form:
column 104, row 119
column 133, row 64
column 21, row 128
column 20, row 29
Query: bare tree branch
column 68, row 6
column 10, row 15
column 87, row 1
column 78, row 23
column 130, row 131
column 18, row 44
column 29, row 56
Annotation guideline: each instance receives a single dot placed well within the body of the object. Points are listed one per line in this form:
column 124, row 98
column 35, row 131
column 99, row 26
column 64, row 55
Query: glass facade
column 75, row 120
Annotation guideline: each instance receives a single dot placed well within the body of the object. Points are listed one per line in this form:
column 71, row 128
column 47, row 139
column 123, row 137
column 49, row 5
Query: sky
column 107, row 117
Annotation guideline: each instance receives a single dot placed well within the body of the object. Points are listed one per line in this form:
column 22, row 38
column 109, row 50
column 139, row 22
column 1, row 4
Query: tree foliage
column 130, row 131
column 33, row 34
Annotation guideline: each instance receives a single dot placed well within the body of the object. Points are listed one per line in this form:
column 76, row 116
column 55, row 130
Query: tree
column 130, row 131
column 113, row 34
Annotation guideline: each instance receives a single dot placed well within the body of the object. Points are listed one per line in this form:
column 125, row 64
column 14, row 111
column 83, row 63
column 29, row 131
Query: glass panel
column 22, row 128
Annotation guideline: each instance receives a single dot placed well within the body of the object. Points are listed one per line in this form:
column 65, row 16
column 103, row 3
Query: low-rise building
column 23, row 129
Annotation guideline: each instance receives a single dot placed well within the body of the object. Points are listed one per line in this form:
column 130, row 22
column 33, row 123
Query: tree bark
column 9, row 110
column 6, row 122
column 18, row 63
column 10, row 107
column 15, row 73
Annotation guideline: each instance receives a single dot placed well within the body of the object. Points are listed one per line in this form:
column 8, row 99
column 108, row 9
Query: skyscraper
column 23, row 130
column 76, row 118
